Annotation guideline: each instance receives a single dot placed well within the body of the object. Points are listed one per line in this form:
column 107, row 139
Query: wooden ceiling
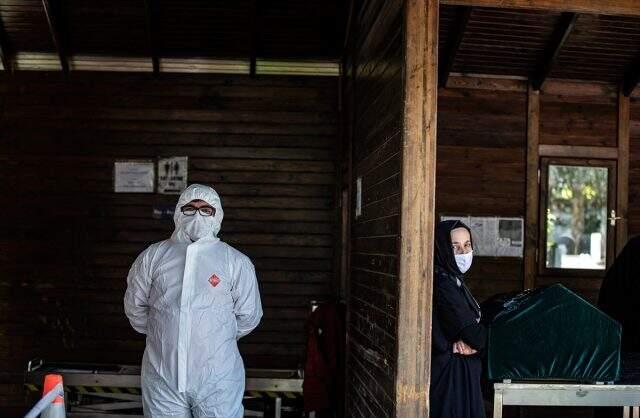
column 300, row 29
column 538, row 44
column 147, row 35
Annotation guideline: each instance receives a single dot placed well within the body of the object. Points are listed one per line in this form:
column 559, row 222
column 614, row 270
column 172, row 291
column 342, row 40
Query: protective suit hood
column 197, row 192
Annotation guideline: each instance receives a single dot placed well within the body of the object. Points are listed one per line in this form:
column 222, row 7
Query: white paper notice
column 134, row 176
column 494, row 237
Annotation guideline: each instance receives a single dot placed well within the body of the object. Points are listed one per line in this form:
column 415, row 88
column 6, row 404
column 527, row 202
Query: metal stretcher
column 113, row 391
column 625, row 393
column 560, row 394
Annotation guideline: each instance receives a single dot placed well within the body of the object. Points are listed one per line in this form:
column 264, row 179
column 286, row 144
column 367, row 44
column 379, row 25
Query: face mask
column 464, row 261
column 198, row 226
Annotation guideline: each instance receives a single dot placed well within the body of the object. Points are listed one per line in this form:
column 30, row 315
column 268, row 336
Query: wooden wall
column 481, row 167
column 376, row 87
column 67, row 241
column 482, row 160
column 578, row 116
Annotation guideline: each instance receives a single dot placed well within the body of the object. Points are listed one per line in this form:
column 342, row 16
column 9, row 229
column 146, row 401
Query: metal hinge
column 538, row 176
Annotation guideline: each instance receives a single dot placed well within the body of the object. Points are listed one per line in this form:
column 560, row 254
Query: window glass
column 576, row 217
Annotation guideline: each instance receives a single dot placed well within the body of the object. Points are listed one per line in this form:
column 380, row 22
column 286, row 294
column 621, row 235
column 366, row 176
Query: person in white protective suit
column 194, row 297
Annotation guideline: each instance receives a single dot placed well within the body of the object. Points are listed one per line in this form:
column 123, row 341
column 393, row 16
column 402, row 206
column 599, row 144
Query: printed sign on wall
column 134, row 176
column 493, row 236
column 172, row 175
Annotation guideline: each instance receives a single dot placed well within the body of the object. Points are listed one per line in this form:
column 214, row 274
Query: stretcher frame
column 120, row 385
column 559, row 394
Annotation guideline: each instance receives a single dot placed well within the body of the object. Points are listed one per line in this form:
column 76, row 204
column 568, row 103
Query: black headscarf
column 444, row 258
column 620, row 294
column 446, row 267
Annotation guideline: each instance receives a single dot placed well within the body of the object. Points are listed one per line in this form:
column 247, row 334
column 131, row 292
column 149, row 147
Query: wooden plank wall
column 377, row 135
column 578, row 116
column 634, row 169
column 481, row 161
column 481, row 166
column 67, row 241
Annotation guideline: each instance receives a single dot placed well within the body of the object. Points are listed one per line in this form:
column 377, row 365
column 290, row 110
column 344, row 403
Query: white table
column 558, row 394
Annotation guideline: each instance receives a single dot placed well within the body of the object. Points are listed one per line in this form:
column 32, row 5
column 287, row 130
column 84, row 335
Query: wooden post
column 418, row 207
column 623, row 171
column 533, row 188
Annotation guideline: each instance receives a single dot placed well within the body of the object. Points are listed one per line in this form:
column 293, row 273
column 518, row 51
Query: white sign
column 172, row 175
column 134, row 176
column 494, row 237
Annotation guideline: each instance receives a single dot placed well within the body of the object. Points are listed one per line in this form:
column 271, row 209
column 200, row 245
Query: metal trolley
column 567, row 394
column 103, row 390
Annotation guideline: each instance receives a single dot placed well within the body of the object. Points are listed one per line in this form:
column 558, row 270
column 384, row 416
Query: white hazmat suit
column 194, row 297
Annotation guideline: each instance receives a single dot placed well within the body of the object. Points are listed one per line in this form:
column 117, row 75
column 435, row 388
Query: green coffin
column 551, row 334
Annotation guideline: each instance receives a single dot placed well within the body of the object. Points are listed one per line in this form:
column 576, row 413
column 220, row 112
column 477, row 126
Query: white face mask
column 197, row 226
column 464, row 261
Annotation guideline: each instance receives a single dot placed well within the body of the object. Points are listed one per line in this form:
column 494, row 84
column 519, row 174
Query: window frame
column 545, row 162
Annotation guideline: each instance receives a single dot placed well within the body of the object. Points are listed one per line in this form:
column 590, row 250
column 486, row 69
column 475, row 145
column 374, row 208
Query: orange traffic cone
column 52, row 403
column 56, row 408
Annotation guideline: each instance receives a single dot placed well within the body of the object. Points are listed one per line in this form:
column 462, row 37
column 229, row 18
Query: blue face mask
column 464, row 261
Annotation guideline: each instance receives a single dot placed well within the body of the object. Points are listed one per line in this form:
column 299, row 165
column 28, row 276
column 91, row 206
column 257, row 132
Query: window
column 576, row 199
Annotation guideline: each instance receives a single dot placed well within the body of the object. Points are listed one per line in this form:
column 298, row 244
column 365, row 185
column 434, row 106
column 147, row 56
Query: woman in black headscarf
column 620, row 294
column 458, row 338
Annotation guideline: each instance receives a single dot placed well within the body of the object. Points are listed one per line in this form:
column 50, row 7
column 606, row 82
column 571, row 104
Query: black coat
column 455, row 379
column 620, row 294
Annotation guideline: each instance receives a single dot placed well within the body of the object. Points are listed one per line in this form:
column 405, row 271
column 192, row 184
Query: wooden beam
column 455, row 39
column 349, row 24
column 252, row 65
column 253, row 55
column 417, row 209
column 54, row 29
column 604, row 7
column 631, row 78
column 6, row 53
column 152, row 38
column 623, row 171
column 576, row 151
column 597, row 90
column 533, row 188
column 559, row 37
column 483, row 83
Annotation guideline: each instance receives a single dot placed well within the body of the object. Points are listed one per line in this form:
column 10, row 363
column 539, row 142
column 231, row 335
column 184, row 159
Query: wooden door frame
column 622, row 205
column 535, row 152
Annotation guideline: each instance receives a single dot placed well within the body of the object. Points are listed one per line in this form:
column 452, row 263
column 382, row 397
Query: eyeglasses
column 189, row 210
